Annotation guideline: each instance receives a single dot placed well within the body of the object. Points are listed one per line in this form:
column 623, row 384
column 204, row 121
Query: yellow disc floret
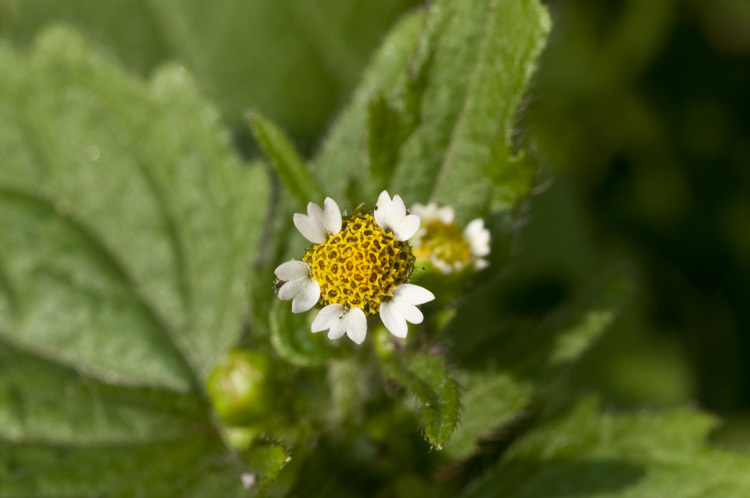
column 359, row 266
column 445, row 242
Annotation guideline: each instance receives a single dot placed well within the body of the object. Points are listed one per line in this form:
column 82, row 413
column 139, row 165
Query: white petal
column 384, row 211
column 424, row 212
column 291, row 270
column 408, row 311
column 474, row 227
column 356, row 327
column 307, row 297
column 318, row 224
column 398, row 205
column 325, row 318
column 478, row 237
column 412, row 294
column 441, row 265
column 314, row 211
column 383, row 198
column 317, row 215
column 389, row 213
column 406, row 228
column 481, row 264
column 309, row 228
column 431, row 212
column 445, row 214
column 331, row 216
column 392, row 319
column 290, row 289
column 338, row 326
column 303, row 291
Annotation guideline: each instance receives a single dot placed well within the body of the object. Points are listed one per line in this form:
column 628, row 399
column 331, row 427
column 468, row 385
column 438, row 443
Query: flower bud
column 240, row 389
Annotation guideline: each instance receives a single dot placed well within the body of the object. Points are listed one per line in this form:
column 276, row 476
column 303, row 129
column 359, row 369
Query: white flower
column 318, row 223
column 299, row 287
column 358, row 266
column 401, row 308
column 444, row 244
column 391, row 215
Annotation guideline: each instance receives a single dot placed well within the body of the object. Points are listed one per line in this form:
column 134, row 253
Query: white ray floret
column 318, row 224
column 299, row 287
column 339, row 321
column 432, row 211
column 391, row 215
column 402, row 308
column 478, row 238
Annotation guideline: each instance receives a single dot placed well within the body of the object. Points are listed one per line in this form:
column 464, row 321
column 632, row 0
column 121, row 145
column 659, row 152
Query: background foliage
column 152, row 156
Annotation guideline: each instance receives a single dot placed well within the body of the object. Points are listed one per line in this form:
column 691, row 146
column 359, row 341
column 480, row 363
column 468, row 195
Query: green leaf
column 568, row 334
column 434, row 115
column 127, row 224
column 284, row 157
column 267, row 460
column 482, row 54
column 292, row 339
column 385, row 135
column 426, row 377
column 344, row 156
column 291, row 59
column 632, row 455
column 187, row 465
column 489, row 400
column 44, row 400
column 506, row 363
column 390, row 124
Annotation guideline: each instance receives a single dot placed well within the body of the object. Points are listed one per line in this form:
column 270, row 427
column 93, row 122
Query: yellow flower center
column 444, row 242
column 359, row 266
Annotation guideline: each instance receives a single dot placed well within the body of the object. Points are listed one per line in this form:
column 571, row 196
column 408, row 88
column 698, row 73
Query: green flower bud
column 240, row 388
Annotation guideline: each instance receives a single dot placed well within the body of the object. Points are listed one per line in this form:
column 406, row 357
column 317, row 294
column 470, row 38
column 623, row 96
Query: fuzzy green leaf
column 386, row 133
column 267, row 460
column 127, row 224
column 426, row 377
column 489, row 400
column 620, row 456
column 186, row 465
column 434, row 115
column 524, row 358
column 344, row 156
column 482, row 54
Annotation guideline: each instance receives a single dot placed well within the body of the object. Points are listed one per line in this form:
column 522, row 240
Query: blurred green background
column 639, row 114
column 642, row 109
